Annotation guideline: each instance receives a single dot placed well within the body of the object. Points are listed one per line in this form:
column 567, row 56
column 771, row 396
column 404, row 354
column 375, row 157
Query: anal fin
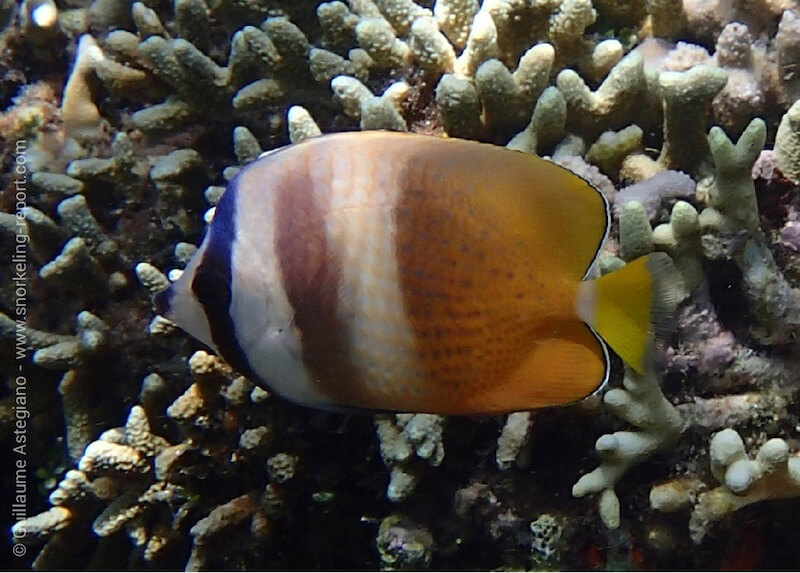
column 560, row 369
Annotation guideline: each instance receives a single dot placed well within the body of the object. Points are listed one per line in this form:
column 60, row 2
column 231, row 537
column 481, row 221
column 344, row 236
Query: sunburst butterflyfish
column 387, row 271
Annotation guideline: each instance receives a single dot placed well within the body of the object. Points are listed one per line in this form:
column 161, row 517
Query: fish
column 388, row 271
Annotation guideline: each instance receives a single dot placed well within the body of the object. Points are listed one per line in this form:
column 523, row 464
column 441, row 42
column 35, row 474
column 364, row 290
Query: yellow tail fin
column 633, row 307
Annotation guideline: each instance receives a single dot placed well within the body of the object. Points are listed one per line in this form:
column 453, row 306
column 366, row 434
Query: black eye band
column 212, row 283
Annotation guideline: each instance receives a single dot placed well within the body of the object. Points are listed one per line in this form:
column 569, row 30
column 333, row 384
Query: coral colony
column 143, row 450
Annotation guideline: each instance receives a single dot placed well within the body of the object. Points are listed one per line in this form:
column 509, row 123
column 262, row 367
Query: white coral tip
column 726, row 447
column 45, row 15
column 741, row 475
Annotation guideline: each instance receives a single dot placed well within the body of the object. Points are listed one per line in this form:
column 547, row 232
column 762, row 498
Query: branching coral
column 513, row 438
column 142, row 478
column 546, row 125
column 686, row 94
column 408, row 442
column 658, row 424
column 61, row 352
column 787, row 143
column 787, row 43
column 177, row 96
column 607, row 107
column 772, row 474
column 743, row 96
column 774, row 301
column 202, row 86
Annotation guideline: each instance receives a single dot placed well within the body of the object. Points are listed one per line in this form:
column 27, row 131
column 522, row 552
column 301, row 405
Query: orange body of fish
column 403, row 272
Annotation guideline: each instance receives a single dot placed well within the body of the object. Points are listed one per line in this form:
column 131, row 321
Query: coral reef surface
column 127, row 445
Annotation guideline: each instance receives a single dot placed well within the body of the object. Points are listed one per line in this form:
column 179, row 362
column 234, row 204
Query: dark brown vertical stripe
column 311, row 274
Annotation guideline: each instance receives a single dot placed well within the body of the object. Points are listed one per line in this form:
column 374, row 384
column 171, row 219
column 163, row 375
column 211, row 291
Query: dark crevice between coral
column 727, row 296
